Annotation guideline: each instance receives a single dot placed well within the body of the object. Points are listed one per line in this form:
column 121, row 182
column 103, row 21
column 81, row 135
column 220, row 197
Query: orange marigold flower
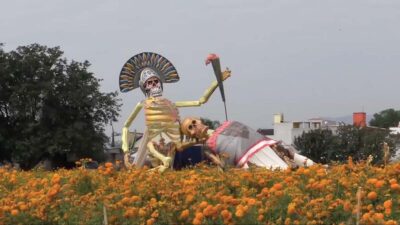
column 199, row 216
column 372, row 181
column 372, row 195
column 155, row 214
column 150, row 221
column 350, row 162
column 208, row 211
column 226, row 215
column 23, row 207
column 239, row 212
column 388, row 204
column 197, row 221
column 52, row 192
column 391, row 222
column 265, row 191
column 277, row 186
column 288, row 179
column 184, row 214
column 347, row 206
column 125, row 200
column 379, row 183
column 142, row 212
column 108, row 165
column 203, row 204
column 14, row 212
column 365, row 216
column 189, row 198
column 395, row 186
column 321, row 172
column 378, row 216
column 108, row 170
column 291, row 208
column 135, row 198
column 55, row 179
column 251, row 201
column 131, row 212
column 279, row 193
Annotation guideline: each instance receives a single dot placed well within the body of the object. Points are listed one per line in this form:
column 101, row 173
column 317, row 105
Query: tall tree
column 323, row 146
column 361, row 142
column 319, row 145
column 50, row 107
column 386, row 118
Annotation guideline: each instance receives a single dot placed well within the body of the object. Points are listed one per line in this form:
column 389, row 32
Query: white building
column 395, row 130
column 286, row 131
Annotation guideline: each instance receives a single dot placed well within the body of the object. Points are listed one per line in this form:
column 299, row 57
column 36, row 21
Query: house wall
column 288, row 131
column 394, row 130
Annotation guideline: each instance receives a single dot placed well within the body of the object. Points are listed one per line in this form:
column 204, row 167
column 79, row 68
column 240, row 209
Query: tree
column 361, row 142
column 319, row 145
column 50, row 107
column 212, row 124
column 358, row 142
column 386, row 118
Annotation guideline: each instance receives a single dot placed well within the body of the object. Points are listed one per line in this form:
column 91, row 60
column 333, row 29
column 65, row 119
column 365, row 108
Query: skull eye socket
column 194, row 122
column 151, row 82
column 190, row 127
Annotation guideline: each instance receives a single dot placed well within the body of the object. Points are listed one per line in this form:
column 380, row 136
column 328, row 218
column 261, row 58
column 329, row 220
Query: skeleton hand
column 226, row 74
column 213, row 57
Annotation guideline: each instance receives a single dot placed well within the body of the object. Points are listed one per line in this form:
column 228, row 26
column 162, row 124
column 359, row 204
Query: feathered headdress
column 131, row 71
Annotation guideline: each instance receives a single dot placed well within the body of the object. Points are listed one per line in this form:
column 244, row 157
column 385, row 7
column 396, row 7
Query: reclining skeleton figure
column 238, row 145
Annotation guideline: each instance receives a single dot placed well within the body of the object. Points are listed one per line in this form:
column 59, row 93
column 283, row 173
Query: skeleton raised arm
column 207, row 94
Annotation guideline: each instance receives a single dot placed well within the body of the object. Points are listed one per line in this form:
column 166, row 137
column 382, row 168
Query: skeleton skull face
column 194, row 128
column 150, row 82
column 153, row 87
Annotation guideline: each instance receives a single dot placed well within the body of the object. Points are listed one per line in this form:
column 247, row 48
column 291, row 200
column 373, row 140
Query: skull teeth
column 155, row 91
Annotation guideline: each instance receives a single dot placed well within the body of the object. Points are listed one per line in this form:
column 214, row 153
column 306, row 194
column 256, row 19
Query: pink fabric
column 212, row 140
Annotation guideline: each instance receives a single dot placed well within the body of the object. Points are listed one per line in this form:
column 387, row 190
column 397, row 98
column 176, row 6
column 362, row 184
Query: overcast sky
column 306, row 59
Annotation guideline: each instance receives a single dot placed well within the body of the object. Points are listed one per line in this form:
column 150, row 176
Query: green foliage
column 323, row 146
column 85, row 185
column 212, row 124
column 319, row 145
column 24, row 218
column 362, row 142
column 50, row 107
column 386, row 118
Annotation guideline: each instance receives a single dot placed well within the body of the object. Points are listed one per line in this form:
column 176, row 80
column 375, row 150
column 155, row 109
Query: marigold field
column 340, row 194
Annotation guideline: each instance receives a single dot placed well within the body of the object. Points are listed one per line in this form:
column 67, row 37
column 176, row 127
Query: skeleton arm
column 207, row 93
column 180, row 146
column 125, row 129
column 214, row 158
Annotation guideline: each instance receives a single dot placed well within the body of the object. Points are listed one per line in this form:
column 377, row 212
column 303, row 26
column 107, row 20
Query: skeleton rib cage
column 162, row 117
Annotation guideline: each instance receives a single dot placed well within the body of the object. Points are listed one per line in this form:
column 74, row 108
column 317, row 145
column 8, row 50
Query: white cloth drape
column 267, row 158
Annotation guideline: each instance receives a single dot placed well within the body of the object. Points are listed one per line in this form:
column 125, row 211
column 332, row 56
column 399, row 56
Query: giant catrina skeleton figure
column 150, row 71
